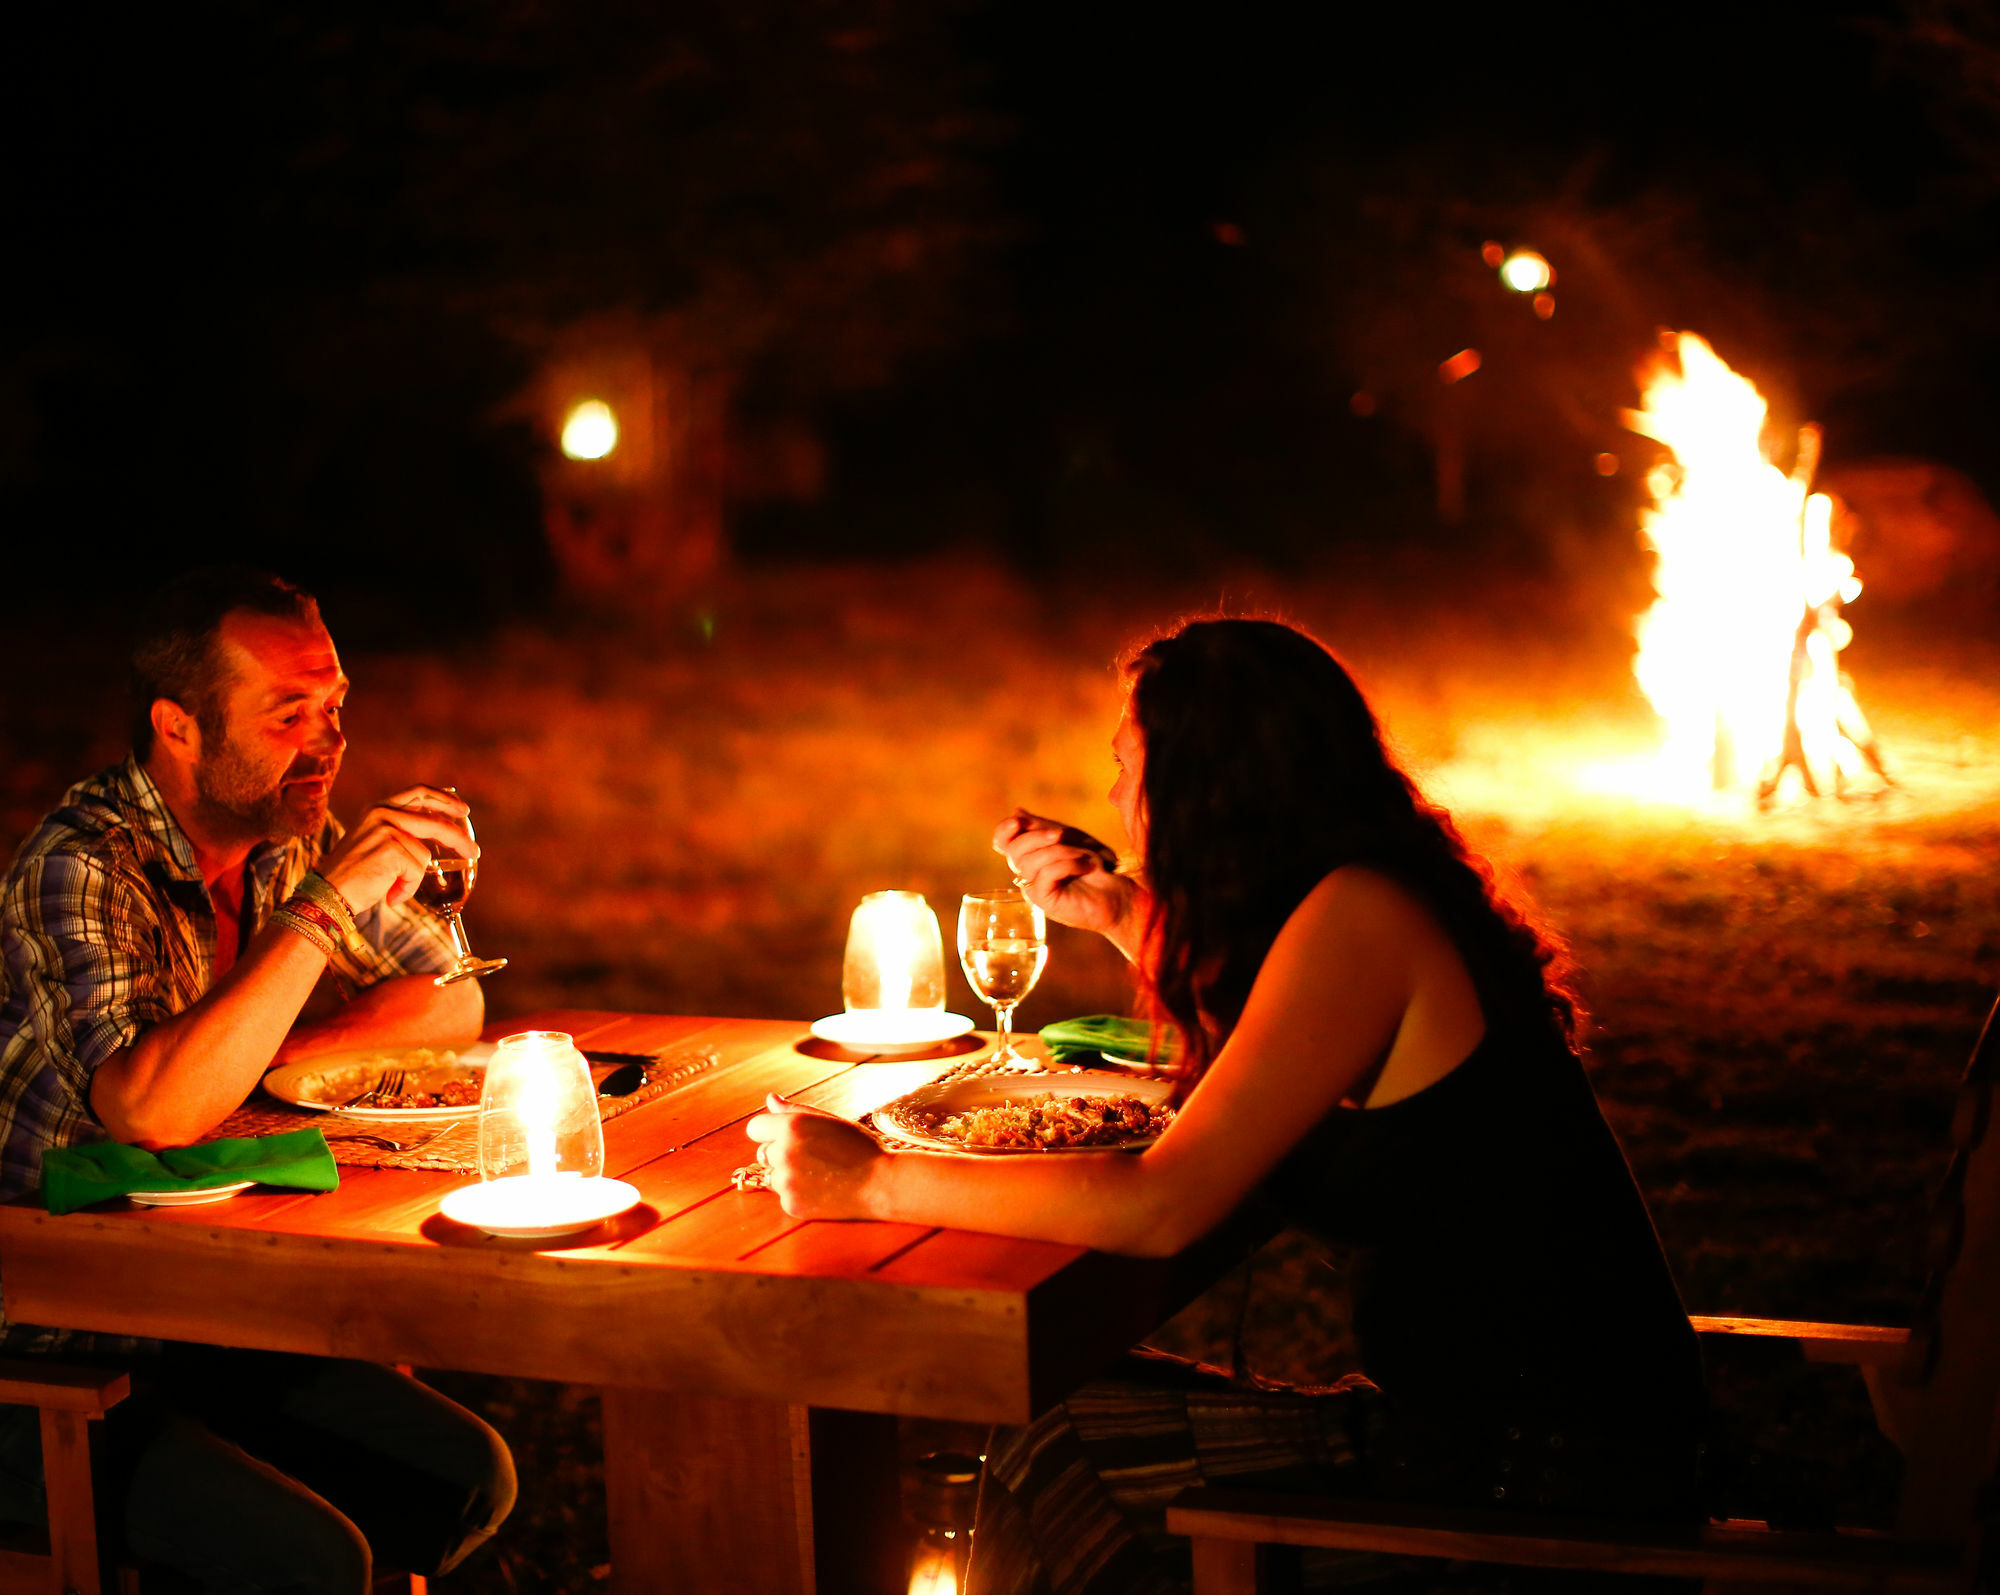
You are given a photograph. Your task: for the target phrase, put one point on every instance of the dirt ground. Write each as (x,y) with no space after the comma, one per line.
(681,817)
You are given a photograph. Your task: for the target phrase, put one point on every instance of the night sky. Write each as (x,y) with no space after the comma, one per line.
(282,272)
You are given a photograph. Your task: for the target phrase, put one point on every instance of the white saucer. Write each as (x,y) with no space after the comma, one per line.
(214,1193)
(537,1208)
(891,1030)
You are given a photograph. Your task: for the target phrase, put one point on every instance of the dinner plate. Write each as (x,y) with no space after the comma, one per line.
(869,1030)
(563,1204)
(213,1193)
(323,1084)
(905,1117)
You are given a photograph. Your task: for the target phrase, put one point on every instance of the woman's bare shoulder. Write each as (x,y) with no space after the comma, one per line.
(1362,894)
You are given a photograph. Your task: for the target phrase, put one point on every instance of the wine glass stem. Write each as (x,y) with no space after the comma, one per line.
(1003,1027)
(459,944)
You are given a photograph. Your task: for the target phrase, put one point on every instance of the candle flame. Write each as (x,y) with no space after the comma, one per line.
(895,961)
(539,1107)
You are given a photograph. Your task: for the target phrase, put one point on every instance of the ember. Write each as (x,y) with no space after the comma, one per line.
(1739,654)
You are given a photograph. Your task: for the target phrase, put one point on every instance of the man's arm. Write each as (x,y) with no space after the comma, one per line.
(402,1011)
(184,1075)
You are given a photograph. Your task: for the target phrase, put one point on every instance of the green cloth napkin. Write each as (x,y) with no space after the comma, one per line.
(76,1176)
(1126,1040)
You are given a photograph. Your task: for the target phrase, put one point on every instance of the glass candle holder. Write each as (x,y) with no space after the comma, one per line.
(895,956)
(538,1119)
(942,1505)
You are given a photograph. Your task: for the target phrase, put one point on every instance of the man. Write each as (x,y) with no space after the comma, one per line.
(161,935)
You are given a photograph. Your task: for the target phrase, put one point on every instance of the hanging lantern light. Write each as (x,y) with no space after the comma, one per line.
(1526,272)
(590,431)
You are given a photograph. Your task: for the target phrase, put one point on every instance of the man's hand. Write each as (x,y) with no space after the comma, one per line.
(1073,878)
(383,859)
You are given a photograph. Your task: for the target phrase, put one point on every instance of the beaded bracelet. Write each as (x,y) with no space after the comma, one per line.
(316,888)
(298,924)
(307,909)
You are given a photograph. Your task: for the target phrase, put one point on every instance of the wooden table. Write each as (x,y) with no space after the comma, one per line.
(752,1365)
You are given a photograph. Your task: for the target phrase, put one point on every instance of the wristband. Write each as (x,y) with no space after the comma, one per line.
(299,925)
(316,888)
(305,908)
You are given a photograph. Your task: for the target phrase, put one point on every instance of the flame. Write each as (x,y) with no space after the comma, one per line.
(894,955)
(1748,588)
(896,958)
(935,1572)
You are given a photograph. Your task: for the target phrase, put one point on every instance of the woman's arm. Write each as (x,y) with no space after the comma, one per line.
(1360,974)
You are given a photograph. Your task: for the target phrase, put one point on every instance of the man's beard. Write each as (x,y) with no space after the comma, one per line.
(236,796)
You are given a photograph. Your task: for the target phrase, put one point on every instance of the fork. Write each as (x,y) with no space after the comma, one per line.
(390,1085)
(381,1141)
(388,1145)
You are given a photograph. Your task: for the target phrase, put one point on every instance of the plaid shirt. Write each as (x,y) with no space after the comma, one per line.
(106,929)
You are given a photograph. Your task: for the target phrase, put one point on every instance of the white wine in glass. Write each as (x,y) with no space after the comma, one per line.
(1003,942)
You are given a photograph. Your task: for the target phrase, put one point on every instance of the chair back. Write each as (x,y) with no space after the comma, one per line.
(1949,1395)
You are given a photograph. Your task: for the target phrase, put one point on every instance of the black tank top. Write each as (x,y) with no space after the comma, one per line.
(1504,1259)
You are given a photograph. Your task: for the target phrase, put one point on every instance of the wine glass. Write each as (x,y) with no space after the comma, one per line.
(1003,942)
(445,887)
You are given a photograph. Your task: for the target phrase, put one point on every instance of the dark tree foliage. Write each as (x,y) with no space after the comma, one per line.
(792,185)
(292,263)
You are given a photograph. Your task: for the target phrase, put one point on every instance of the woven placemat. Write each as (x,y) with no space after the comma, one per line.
(445,1145)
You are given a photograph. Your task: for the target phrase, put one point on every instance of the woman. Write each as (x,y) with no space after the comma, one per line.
(1368,1034)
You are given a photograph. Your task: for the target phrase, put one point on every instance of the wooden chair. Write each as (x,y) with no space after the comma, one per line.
(70,1398)
(1935,1389)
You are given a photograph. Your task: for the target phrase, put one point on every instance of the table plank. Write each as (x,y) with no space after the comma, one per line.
(651,1032)
(578,1023)
(374,1203)
(823,1247)
(724,1224)
(981,1262)
(726,1095)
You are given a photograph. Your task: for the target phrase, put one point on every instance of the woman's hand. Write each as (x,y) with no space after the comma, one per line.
(820,1165)
(1073,878)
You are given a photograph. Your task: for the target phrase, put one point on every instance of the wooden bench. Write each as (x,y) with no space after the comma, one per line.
(70,1556)
(1935,1389)
(69,1561)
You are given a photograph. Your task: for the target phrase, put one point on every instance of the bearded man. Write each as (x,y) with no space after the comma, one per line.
(162,933)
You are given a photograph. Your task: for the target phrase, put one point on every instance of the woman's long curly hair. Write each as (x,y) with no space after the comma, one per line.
(1264,772)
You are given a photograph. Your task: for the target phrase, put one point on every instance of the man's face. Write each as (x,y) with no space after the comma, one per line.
(267,767)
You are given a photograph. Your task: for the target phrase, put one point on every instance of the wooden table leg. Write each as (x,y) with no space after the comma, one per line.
(707,1493)
(861,1545)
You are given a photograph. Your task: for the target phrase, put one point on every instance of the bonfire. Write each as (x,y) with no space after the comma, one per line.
(1740,651)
